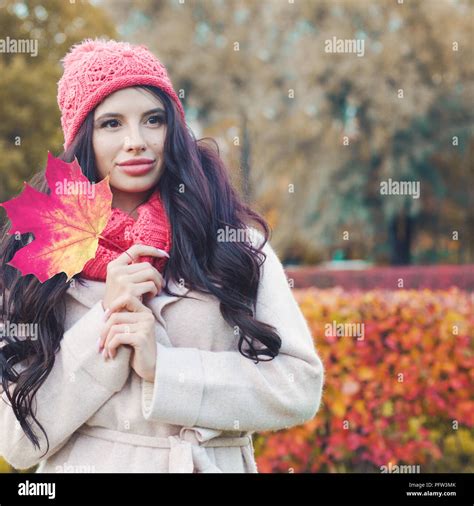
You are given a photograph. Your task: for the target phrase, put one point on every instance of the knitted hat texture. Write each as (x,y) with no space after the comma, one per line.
(96,68)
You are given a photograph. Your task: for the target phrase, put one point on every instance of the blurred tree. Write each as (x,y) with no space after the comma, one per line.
(310,134)
(30,123)
(325,129)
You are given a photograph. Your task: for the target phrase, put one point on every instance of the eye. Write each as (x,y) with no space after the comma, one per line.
(156,119)
(112,122)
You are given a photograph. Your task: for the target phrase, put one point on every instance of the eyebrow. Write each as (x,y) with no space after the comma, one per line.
(118,115)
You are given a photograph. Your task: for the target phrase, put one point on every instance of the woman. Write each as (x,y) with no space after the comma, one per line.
(172,346)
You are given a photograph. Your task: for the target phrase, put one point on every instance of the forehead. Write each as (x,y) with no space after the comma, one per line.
(128,100)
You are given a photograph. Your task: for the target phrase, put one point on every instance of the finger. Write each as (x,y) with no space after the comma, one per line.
(138,250)
(148,296)
(132,268)
(120,318)
(145,287)
(124,328)
(128,302)
(117,341)
(150,274)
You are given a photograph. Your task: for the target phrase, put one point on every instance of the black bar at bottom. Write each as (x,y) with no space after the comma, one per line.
(236,489)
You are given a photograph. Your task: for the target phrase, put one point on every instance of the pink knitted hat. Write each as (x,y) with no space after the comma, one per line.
(96,68)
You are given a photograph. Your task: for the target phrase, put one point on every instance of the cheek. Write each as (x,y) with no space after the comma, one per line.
(156,140)
(104,150)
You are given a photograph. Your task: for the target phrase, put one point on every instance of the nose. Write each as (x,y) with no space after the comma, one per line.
(134,142)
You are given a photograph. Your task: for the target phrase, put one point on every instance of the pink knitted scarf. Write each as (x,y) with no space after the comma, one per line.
(151,228)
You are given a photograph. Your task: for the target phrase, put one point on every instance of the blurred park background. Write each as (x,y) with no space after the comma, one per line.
(314,133)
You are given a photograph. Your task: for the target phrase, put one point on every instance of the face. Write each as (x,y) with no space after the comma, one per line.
(128,140)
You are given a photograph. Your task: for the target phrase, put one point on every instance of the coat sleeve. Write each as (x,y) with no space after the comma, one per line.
(227,391)
(79,383)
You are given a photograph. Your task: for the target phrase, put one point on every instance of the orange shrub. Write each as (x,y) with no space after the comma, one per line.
(399,393)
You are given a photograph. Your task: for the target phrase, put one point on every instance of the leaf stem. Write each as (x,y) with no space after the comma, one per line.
(116,245)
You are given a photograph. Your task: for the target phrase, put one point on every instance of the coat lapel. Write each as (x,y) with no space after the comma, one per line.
(157,304)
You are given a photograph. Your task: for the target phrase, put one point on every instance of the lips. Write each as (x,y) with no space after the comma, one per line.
(137,161)
(137,166)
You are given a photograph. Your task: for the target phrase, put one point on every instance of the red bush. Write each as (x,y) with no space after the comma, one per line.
(395,396)
(439,277)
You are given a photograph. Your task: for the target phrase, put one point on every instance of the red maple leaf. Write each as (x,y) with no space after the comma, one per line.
(66,223)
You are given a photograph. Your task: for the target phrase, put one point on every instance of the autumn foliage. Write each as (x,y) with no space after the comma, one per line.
(401,395)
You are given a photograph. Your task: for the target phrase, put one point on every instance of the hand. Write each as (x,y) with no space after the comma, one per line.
(136,279)
(134,327)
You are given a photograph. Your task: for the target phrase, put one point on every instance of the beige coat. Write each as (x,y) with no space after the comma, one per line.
(199,413)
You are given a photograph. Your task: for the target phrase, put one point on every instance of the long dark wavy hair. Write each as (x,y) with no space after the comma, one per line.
(229,271)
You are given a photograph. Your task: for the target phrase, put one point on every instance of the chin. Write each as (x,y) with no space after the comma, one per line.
(135,184)
(136,188)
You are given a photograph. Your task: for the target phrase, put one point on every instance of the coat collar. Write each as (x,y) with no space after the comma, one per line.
(93,291)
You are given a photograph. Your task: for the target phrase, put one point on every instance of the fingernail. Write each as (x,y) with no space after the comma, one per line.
(162,251)
(104,353)
(106,314)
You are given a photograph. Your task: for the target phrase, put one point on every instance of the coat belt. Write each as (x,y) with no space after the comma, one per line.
(187,454)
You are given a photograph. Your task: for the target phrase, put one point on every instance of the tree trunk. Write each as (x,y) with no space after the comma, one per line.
(400,238)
